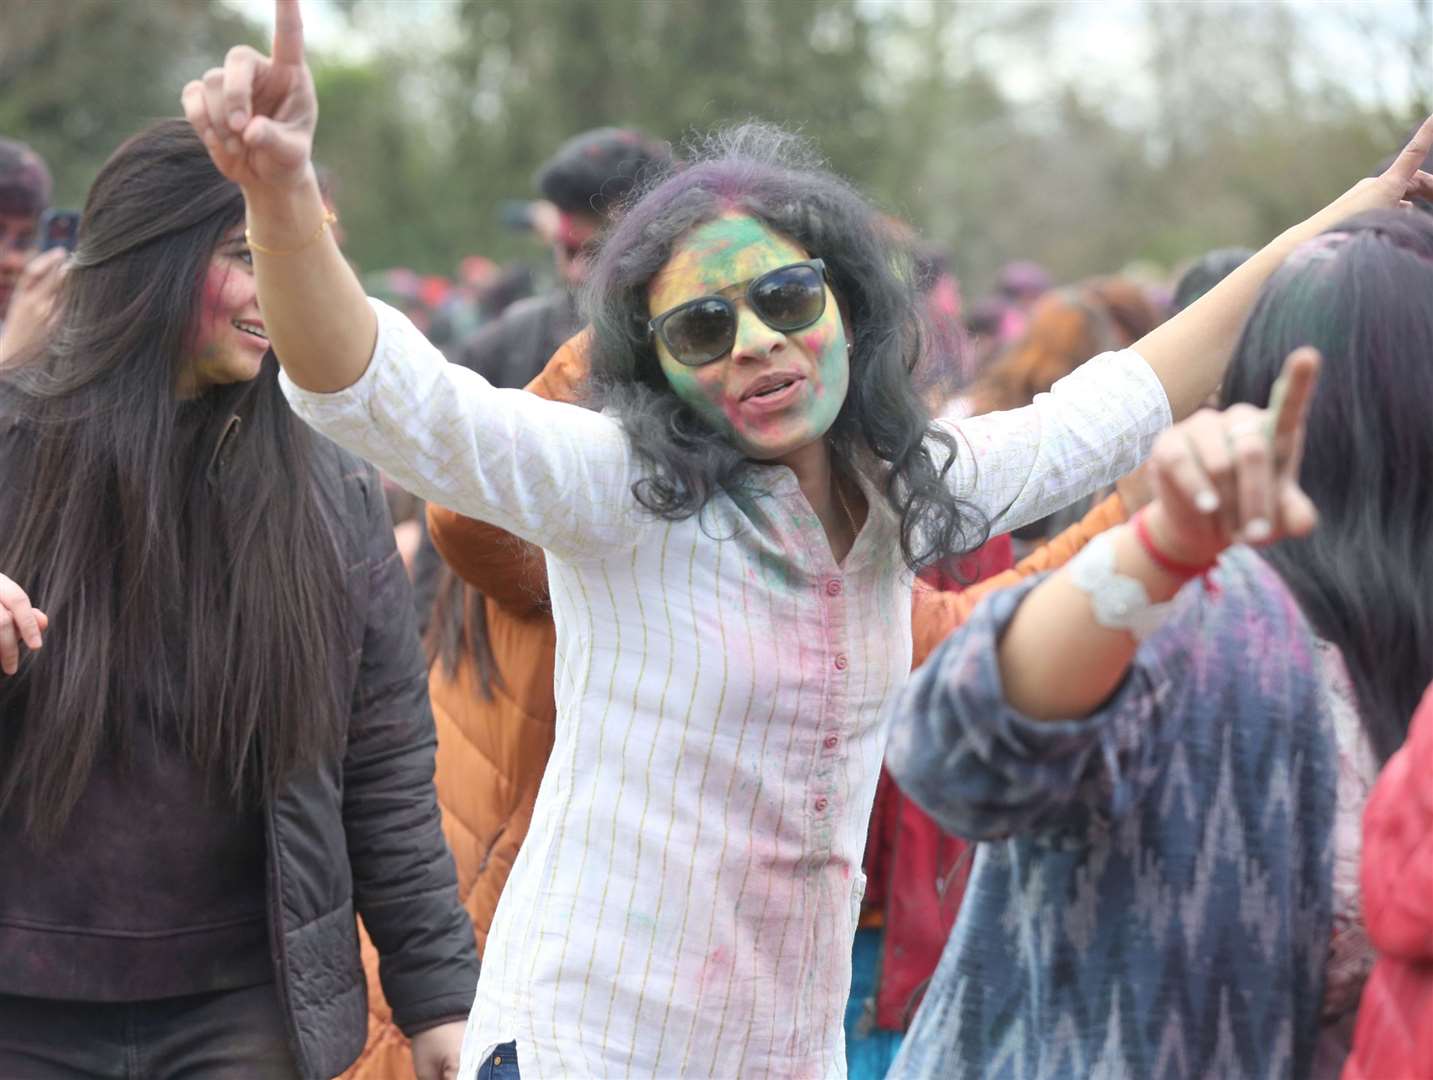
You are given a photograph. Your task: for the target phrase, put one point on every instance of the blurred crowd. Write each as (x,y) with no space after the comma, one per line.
(483,609)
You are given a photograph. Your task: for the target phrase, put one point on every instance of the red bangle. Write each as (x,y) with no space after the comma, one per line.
(1159,558)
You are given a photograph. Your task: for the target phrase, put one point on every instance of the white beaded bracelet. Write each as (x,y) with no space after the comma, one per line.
(1120,602)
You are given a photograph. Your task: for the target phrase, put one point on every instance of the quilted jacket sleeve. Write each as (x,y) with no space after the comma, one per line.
(404,882)
(1397,868)
(510,572)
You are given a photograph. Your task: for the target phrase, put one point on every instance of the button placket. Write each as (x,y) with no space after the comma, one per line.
(829,749)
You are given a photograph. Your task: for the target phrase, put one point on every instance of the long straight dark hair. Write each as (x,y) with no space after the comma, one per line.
(190,600)
(1363,294)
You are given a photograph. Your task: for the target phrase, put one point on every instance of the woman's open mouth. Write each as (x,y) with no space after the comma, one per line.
(253,329)
(772,391)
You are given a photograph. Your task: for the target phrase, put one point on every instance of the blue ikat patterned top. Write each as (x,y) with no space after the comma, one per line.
(1152,892)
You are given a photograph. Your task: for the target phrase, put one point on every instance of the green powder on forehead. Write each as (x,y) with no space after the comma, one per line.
(715,248)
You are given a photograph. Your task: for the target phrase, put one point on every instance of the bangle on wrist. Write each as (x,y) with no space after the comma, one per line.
(1160,559)
(329,217)
(1117,601)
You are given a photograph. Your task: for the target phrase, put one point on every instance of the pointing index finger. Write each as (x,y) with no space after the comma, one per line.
(289,33)
(1406,164)
(1289,402)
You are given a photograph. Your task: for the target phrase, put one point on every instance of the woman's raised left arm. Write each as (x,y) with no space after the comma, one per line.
(1190,352)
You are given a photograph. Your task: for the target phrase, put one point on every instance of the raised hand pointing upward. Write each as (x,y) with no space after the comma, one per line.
(257,113)
(257,116)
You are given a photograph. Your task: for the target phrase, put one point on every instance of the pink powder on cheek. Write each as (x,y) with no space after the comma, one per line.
(211,304)
(815,343)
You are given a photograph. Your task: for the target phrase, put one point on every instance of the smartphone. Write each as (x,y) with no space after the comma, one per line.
(59,228)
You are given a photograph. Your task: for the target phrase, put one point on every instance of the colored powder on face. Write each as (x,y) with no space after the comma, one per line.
(211,309)
(729,251)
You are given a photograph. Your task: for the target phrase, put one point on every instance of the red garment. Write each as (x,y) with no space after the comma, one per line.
(915,873)
(1394,1039)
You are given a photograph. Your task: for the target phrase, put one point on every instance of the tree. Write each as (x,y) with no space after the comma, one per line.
(78,77)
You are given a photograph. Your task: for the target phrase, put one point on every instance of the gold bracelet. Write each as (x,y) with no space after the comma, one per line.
(329,217)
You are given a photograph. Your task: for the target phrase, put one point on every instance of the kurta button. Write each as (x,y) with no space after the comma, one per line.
(833,588)
(831,742)
(821,805)
(841,662)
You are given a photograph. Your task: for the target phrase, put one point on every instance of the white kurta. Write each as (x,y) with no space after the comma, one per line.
(685,901)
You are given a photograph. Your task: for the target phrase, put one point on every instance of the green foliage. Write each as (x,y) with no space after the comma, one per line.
(78,76)
(1241,127)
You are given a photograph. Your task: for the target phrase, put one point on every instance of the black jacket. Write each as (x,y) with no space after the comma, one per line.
(360,835)
(363,834)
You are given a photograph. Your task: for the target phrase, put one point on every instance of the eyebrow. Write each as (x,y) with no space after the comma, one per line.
(739,286)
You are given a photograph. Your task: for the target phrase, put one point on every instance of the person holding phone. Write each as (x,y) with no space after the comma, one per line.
(1165,749)
(30,276)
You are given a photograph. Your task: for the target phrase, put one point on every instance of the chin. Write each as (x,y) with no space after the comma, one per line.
(244,371)
(776,450)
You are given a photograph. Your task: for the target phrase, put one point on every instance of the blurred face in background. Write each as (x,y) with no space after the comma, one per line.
(574,240)
(17,242)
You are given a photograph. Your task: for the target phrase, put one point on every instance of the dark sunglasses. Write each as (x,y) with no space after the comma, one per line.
(702,330)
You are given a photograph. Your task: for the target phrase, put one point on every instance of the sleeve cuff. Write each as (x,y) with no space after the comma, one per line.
(353,399)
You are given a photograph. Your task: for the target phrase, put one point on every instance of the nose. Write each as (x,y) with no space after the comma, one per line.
(754,339)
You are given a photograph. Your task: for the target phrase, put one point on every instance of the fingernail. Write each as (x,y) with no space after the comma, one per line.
(1206,502)
(1257,531)
(237,120)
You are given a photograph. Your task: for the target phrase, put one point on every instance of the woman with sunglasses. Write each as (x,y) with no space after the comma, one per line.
(728,550)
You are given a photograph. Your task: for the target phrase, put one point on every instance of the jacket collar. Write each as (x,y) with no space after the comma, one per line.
(219,457)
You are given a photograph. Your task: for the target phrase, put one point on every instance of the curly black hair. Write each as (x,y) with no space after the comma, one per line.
(774,176)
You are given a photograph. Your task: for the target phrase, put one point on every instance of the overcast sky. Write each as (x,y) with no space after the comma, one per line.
(1103,45)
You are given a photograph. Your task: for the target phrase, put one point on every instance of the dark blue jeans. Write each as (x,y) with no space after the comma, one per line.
(501,1064)
(227,1035)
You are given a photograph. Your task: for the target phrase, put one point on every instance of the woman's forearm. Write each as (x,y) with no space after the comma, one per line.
(1070,644)
(1074,679)
(315,312)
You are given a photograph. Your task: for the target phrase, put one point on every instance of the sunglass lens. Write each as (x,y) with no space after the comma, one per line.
(700,331)
(790,298)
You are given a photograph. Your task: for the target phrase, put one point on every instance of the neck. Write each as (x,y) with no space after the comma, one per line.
(816,476)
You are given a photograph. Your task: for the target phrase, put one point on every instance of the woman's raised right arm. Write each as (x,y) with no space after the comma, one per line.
(362,375)
(257,115)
